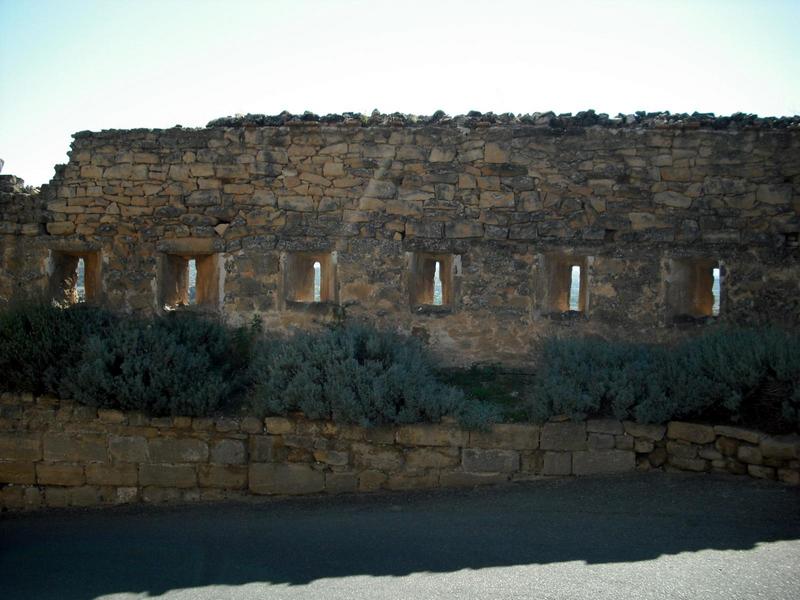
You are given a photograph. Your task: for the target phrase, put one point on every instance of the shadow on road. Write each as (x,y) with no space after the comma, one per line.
(148,550)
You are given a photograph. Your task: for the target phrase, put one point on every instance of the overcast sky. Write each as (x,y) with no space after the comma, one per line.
(67,66)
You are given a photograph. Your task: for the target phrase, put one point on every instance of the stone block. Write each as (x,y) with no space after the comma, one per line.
(750,455)
(120,474)
(690,432)
(789,476)
(461,479)
(476,460)
(654,433)
(601,441)
(20,446)
(557,463)
(177,450)
(271,478)
(727,446)
(563,436)
(266,448)
(688,464)
(74,447)
(371,480)
(59,474)
(432,458)
(681,449)
(784,447)
(607,426)
(379,435)
(507,436)
(407,481)
(228,452)
(279,425)
(383,458)
(601,462)
(341,482)
(86,495)
(431,435)
(761,472)
(332,457)
(158,495)
(252,425)
(657,457)
(111,416)
(167,476)
(132,449)
(18,472)
(737,433)
(232,477)
(643,446)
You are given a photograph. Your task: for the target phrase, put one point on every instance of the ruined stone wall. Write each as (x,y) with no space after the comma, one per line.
(505,206)
(62,454)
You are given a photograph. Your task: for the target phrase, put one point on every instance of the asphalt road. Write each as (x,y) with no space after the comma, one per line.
(638,536)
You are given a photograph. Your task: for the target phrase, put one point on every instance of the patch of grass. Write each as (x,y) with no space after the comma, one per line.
(494,385)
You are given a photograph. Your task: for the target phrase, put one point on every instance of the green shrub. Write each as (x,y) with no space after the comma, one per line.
(41,344)
(180,364)
(356,375)
(743,376)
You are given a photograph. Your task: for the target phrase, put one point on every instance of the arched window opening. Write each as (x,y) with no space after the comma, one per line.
(437,284)
(715,291)
(80,280)
(317,282)
(575,288)
(192,289)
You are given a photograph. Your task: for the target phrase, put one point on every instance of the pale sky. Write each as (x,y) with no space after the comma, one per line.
(67,66)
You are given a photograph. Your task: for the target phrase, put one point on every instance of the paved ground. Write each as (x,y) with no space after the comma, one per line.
(638,536)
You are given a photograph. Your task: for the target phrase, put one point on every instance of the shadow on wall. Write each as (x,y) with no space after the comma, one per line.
(295,542)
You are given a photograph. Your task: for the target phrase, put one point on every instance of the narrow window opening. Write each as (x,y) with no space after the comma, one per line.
(317,282)
(575,288)
(715,290)
(80,281)
(437,285)
(192,289)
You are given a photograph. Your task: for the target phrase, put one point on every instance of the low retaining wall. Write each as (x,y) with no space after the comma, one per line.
(56,453)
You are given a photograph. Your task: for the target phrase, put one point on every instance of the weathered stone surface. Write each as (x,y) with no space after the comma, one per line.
(557,463)
(784,447)
(681,449)
(271,478)
(750,455)
(342,482)
(74,447)
(168,476)
(648,432)
(688,464)
(370,480)
(20,472)
(228,476)
(436,458)
(228,452)
(509,436)
(563,436)
(332,457)
(383,458)
(608,426)
(406,481)
(690,432)
(119,474)
(761,472)
(601,441)
(737,433)
(59,474)
(20,446)
(177,450)
(431,435)
(131,449)
(599,462)
(265,448)
(475,460)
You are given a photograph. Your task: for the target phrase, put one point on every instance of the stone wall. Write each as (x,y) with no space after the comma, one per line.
(504,204)
(60,454)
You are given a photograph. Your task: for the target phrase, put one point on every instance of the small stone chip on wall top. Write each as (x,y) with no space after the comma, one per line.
(59,454)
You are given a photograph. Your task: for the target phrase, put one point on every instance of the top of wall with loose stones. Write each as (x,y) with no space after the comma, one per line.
(474,119)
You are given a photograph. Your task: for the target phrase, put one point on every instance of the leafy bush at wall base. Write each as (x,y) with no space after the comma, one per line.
(41,344)
(180,364)
(745,376)
(359,375)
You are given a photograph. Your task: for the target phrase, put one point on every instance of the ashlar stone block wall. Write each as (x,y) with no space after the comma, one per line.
(644,205)
(56,453)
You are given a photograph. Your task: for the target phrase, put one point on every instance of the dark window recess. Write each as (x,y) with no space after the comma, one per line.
(310,277)
(432,281)
(75,277)
(189,280)
(563,284)
(695,288)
